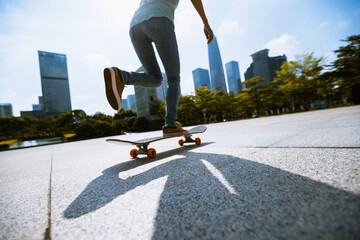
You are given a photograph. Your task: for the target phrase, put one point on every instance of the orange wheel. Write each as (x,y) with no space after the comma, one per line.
(198,141)
(134,153)
(181,142)
(151,153)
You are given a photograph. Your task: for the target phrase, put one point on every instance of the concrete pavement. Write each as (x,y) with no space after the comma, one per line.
(294,176)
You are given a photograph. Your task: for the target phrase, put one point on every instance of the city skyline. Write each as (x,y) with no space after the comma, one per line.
(88,39)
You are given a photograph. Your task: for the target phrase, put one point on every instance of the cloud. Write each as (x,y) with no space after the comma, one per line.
(343,23)
(324,24)
(357,11)
(229,26)
(285,44)
(187,21)
(83,97)
(8,95)
(97,60)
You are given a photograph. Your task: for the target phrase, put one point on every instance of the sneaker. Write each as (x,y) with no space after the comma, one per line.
(173,130)
(114,87)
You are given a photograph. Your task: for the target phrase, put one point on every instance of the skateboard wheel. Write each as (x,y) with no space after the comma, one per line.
(198,141)
(181,142)
(134,153)
(151,153)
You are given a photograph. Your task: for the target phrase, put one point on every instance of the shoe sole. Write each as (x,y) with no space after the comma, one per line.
(113,91)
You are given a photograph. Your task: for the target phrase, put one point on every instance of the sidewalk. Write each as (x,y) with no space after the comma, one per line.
(294,176)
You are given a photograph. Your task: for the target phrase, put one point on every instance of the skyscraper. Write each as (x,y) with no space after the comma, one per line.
(6,110)
(145,97)
(54,83)
(233,76)
(201,78)
(124,103)
(131,102)
(217,75)
(264,66)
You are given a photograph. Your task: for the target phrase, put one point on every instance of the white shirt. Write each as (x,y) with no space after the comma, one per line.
(154,8)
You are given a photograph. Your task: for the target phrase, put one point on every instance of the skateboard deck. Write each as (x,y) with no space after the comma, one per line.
(142,144)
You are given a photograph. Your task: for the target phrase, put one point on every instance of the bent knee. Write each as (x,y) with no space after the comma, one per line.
(159,80)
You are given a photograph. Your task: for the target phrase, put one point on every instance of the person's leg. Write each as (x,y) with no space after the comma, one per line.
(116,78)
(163,34)
(152,77)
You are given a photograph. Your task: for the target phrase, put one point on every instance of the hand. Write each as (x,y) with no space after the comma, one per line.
(208,33)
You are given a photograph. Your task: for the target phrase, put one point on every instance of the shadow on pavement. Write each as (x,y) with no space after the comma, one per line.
(215,196)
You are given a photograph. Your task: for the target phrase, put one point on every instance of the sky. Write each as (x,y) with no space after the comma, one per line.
(94,34)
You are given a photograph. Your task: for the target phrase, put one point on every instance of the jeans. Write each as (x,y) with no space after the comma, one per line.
(159,31)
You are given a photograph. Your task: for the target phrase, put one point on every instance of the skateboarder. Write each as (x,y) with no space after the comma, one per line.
(154,22)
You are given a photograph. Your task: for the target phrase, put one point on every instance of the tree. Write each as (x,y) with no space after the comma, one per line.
(346,68)
(188,112)
(85,129)
(102,117)
(119,126)
(123,114)
(141,124)
(157,108)
(103,128)
(253,91)
(300,78)
(204,99)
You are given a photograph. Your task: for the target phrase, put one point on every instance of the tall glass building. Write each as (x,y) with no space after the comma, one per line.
(217,75)
(54,83)
(233,76)
(131,102)
(201,78)
(124,103)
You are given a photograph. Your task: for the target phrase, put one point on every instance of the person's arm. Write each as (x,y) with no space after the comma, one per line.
(207,29)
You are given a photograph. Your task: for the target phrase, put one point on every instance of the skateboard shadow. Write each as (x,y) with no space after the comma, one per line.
(221,196)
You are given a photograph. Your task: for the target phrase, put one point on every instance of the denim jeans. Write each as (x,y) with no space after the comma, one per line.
(159,31)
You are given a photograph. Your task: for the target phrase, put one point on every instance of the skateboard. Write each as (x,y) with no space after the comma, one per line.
(142,144)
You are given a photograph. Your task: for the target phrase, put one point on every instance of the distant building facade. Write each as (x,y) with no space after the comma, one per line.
(37,110)
(6,110)
(124,104)
(264,66)
(131,102)
(201,78)
(217,75)
(39,106)
(144,97)
(128,102)
(233,76)
(54,83)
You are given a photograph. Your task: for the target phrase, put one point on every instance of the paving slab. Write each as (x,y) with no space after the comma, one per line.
(24,188)
(248,199)
(294,176)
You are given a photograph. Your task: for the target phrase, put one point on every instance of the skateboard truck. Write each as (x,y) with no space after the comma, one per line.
(188,139)
(143,149)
